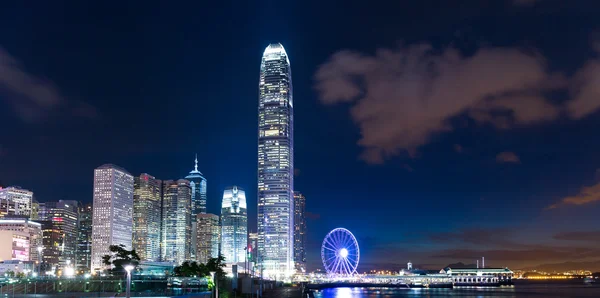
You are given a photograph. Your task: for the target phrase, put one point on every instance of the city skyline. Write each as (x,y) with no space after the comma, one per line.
(406,115)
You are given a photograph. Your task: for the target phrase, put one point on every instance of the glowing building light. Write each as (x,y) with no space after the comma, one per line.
(343,253)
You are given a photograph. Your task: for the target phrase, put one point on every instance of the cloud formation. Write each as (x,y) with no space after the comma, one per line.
(31,97)
(579,236)
(587,195)
(401,98)
(507,157)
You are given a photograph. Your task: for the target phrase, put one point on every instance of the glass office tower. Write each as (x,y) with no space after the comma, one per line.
(147,213)
(177,228)
(234,225)
(112,220)
(275,164)
(198,185)
(300,232)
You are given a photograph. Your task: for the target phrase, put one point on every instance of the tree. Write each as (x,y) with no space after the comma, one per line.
(189,269)
(216,265)
(120,257)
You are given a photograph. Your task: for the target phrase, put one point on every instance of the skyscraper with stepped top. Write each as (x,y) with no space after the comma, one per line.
(198,185)
(275,164)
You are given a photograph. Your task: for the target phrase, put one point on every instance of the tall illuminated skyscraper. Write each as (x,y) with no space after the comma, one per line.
(275,164)
(113,210)
(198,185)
(177,230)
(147,211)
(208,236)
(299,232)
(234,225)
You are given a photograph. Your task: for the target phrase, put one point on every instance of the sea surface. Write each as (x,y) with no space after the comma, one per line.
(575,288)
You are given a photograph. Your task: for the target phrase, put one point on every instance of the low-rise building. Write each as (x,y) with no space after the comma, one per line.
(14,245)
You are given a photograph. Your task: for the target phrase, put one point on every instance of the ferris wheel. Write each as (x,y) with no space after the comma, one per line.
(340,252)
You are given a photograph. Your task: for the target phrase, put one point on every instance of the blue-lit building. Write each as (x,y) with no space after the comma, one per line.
(275,164)
(198,185)
(234,225)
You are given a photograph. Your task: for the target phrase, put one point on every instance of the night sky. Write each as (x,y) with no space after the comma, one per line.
(436,131)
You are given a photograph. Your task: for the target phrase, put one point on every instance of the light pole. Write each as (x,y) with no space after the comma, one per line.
(40,249)
(128,268)
(212,275)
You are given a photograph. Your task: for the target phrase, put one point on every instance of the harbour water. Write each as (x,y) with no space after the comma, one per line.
(574,288)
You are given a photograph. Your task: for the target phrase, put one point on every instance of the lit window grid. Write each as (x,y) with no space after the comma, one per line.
(112,212)
(275,163)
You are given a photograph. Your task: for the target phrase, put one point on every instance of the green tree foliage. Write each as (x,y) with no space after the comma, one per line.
(190,269)
(120,257)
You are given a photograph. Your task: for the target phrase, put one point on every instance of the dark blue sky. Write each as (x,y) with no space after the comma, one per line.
(147,85)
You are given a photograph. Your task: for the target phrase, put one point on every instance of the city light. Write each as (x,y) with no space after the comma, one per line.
(69,271)
(343,253)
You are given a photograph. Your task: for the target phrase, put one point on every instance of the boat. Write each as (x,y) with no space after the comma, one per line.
(589,280)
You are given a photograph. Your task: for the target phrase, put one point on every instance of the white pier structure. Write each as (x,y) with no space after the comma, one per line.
(479,276)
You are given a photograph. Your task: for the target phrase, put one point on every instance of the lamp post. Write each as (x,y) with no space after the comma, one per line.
(128,268)
(212,275)
(40,249)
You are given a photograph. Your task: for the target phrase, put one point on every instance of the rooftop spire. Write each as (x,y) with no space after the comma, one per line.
(196,163)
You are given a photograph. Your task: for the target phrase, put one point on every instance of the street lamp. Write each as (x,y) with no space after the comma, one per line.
(128,268)
(212,275)
(40,249)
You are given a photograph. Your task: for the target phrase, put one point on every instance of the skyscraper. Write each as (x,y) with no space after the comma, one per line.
(63,218)
(177,202)
(15,201)
(275,163)
(52,239)
(113,210)
(147,216)
(299,232)
(207,237)
(84,239)
(234,225)
(198,185)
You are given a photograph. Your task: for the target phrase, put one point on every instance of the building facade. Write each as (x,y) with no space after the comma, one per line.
(253,250)
(64,218)
(15,202)
(112,220)
(84,239)
(177,203)
(208,235)
(52,240)
(35,208)
(14,245)
(31,228)
(275,164)
(147,216)
(234,225)
(198,185)
(299,232)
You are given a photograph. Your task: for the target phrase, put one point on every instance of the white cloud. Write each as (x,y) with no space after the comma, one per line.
(402,97)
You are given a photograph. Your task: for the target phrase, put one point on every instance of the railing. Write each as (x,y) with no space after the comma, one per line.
(99,287)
